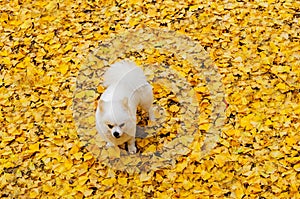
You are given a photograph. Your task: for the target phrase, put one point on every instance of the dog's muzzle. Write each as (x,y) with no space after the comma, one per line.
(116,134)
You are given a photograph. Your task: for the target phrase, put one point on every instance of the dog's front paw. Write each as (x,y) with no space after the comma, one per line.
(108,144)
(132,149)
(151,115)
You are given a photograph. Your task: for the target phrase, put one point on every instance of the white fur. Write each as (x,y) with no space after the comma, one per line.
(127,88)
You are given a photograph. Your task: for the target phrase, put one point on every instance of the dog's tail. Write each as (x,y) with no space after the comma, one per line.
(125,72)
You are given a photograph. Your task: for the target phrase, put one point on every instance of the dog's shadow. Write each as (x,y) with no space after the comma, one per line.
(141,133)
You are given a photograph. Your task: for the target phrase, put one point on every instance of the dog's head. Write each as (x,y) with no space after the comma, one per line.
(116,118)
(115,129)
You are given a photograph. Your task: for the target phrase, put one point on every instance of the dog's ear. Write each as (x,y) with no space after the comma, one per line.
(100,105)
(125,103)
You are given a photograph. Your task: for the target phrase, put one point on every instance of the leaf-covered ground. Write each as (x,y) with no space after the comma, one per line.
(254,45)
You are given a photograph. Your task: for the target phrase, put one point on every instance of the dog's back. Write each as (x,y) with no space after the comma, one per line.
(125,73)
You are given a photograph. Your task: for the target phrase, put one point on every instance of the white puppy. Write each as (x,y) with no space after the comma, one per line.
(127,88)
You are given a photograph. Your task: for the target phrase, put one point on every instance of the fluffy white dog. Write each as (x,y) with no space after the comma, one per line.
(127,88)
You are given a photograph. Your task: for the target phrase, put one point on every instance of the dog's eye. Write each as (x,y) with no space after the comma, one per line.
(121,125)
(110,126)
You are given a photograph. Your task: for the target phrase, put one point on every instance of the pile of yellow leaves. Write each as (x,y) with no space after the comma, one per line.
(46,82)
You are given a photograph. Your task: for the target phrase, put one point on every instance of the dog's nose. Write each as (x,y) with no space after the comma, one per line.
(116,134)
